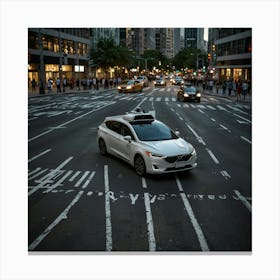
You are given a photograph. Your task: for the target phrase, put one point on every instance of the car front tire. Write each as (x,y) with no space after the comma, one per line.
(102,147)
(139,165)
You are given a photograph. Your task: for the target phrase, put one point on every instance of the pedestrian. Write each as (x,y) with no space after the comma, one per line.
(64,84)
(33,83)
(211,83)
(58,89)
(224,87)
(97,84)
(217,87)
(238,91)
(229,86)
(50,83)
(245,87)
(94,83)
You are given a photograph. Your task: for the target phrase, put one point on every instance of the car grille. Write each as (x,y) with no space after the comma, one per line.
(178,158)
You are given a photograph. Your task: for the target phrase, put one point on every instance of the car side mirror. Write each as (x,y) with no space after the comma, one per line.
(127,138)
(177,133)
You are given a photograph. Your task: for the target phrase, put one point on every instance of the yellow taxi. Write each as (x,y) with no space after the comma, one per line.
(130,86)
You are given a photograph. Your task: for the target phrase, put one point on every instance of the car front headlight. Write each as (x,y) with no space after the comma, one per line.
(128,87)
(119,87)
(150,154)
(186,95)
(198,94)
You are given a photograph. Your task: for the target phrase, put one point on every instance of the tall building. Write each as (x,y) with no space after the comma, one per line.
(194,38)
(57,52)
(231,52)
(97,34)
(165,41)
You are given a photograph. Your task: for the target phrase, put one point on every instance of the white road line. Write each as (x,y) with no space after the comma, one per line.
(225,174)
(61,217)
(88,180)
(82,178)
(158,98)
(34,171)
(211,107)
(50,130)
(49,176)
(199,138)
(39,155)
(222,108)
(151,99)
(193,106)
(200,111)
(186,106)
(243,200)
(173,99)
(179,105)
(37,174)
(223,127)
(58,183)
(107,211)
(213,119)
(202,241)
(149,219)
(242,118)
(74,176)
(236,109)
(245,139)
(212,156)
(166,99)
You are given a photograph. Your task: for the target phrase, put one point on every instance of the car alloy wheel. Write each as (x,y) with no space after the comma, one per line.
(102,147)
(139,165)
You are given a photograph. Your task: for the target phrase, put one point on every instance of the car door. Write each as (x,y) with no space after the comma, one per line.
(113,138)
(124,146)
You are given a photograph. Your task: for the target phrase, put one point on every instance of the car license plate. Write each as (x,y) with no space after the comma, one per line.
(179,164)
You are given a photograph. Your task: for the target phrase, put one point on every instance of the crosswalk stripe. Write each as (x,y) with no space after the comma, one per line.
(158,99)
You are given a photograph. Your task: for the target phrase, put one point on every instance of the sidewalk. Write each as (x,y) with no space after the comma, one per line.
(248,97)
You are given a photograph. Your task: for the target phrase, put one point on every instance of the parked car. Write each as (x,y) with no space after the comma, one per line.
(130,86)
(144,80)
(145,143)
(160,82)
(187,93)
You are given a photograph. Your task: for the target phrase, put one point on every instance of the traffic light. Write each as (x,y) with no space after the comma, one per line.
(213,48)
(209,56)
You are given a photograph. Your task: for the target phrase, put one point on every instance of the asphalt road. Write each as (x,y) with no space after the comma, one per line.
(79,200)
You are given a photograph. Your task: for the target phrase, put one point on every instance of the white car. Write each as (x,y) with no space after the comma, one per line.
(144,80)
(145,143)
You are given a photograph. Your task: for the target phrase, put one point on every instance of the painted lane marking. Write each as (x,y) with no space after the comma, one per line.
(51,130)
(149,219)
(200,111)
(186,106)
(201,238)
(243,118)
(245,139)
(213,119)
(243,200)
(225,174)
(109,243)
(39,155)
(225,128)
(158,99)
(211,107)
(37,174)
(179,105)
(49,176)
(236,109)
(88,180)
(199,138)
(212,156)
(61,217)
(82,178)
(34,171)
(59,182)
(74,176)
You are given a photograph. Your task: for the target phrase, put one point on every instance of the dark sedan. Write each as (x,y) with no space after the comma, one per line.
(188,93)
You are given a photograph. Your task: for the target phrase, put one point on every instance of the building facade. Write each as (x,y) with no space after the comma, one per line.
(230,50)
(57,53)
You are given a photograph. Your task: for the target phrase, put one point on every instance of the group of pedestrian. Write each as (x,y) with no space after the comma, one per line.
(233,88)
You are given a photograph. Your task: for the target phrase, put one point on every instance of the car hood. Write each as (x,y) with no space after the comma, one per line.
(169,147)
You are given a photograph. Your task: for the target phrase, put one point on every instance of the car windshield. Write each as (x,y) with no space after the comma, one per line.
(153,131)
(189,89)
(130,82)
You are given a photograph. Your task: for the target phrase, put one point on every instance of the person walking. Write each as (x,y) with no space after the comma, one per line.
(224,87)
(229,86)
(58,89)
(50,83)
(64,84)
(238,91)
(33,84)
(245,87)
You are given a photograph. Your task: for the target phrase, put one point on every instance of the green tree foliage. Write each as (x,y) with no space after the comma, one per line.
(188,58)
(107,54)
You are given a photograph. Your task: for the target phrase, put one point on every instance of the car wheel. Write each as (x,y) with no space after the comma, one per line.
(102,147)
(139,165)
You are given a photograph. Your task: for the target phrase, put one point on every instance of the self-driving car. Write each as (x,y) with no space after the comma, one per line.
(147,144)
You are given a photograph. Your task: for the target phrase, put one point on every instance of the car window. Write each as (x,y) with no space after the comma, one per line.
(125,131)
(153,131)
(114,126)
(189,89)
